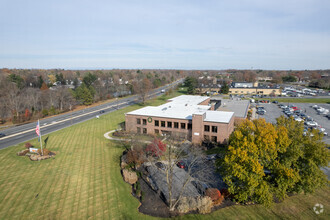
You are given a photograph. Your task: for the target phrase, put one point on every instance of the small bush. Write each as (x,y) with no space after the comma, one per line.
(45,151)
(213,193)
(225,193)
(28,145)
(138,186)
(142,195)
(219,201)
(44,112)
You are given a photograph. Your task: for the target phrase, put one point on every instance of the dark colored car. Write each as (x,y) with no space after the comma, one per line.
(181,164)
(160,165)
(2,135)
(275,102)
(102,111)
(260,112)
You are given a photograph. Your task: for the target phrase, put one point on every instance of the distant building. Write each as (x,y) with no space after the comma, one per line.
(191,117)
(242,85)
(264,78)
(255,91)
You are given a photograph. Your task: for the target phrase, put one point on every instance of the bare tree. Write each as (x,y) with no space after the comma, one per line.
(14,100)
(142,88)
(179,181)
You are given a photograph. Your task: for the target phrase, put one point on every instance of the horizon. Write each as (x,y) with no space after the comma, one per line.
(185,35)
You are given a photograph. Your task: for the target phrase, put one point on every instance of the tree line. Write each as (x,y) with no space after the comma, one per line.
(31,94)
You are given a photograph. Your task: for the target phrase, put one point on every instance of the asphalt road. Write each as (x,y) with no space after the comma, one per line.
(22,133)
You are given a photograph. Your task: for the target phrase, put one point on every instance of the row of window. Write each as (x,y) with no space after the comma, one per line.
(214,129)
(167,124)
(138,121)
(144,130)
(212,139)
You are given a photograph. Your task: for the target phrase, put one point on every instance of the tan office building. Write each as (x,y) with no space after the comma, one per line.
(192,117)
(254,91)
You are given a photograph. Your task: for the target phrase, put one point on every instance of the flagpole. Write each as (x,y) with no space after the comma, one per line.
(42,152)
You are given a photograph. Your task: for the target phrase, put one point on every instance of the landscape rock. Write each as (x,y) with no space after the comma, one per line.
(23,152)
(36,157)
(129,176)
(123,163)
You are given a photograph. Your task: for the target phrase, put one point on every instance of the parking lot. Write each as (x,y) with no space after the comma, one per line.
(273,112)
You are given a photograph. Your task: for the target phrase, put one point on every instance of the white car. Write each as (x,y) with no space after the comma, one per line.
(312,123)
(314,106)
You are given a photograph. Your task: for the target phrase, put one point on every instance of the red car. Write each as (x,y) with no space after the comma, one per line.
(181,164)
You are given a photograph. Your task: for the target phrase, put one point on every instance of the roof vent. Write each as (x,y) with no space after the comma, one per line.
(164,109)
(186,104)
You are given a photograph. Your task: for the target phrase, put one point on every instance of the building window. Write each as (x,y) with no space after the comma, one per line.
(207,128)
(176,124)
(206,138)
(169,124)
(162,123)
(138,121)
(183,125)
(156,131)
(214,139)
(156,123)
(189,126)
(144,130)
(214,129)
(144,121)
(138,129)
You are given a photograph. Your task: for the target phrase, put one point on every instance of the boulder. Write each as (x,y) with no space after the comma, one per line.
(23,152)
(36,157)
(130,176)
(123,162)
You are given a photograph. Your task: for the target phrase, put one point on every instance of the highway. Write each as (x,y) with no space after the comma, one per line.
(22,133)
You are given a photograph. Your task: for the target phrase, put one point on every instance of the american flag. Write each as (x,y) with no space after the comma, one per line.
(38,129)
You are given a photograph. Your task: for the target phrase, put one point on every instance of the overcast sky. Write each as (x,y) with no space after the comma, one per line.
(180,34)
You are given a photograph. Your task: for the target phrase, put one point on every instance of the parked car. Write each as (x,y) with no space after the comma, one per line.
(275,102)
(2,135)
(181,164)
(260,112)
(102,111)
(160,165)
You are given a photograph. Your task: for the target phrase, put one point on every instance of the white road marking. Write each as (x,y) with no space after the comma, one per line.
(57,122)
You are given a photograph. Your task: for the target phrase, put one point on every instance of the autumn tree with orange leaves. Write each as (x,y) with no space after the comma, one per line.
(265,161)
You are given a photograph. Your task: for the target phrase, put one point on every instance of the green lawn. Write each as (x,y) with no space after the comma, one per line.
(84,181)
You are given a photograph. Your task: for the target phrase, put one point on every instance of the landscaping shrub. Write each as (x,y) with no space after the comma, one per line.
(135,156)
(157,148)
(213,193)
(142,195)
(121,133)
(28,145)
(225,193)
(219,201)
(45,151)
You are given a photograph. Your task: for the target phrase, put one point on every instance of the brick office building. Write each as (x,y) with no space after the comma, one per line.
(192,117)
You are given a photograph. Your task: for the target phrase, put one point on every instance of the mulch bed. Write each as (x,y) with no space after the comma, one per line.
(152,204)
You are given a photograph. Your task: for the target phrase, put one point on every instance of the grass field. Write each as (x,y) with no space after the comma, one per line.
(84,181)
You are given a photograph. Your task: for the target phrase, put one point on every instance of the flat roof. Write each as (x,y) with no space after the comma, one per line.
(239,107)
(183,107)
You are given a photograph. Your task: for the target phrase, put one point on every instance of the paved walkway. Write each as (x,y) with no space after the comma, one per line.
(107,136)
